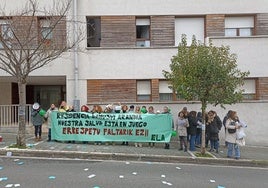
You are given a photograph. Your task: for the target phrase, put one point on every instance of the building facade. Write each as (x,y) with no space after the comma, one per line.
(128,43)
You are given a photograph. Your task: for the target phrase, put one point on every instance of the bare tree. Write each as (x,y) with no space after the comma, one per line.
(30,39)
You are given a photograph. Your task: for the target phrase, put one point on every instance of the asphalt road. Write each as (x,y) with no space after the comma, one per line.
(62,173)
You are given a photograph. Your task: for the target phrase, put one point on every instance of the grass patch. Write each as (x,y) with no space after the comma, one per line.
(261,162)
(198,154)
(17,146)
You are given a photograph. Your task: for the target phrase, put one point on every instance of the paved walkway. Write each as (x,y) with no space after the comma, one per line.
(250,155)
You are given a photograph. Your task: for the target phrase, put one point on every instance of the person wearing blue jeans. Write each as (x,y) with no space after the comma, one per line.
(232,124)
(213,129)
(214,145)
(199,129)
(235,147)
(192,142)
(192,118)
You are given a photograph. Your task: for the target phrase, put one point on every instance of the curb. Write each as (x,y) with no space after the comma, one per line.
(131,157)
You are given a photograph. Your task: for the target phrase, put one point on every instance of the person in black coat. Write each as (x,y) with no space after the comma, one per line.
(192,118)
(214,125)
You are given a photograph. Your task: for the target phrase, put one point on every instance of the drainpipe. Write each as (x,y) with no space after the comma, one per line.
(76,101)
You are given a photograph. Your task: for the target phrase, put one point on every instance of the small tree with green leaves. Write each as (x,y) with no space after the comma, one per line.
(205,73)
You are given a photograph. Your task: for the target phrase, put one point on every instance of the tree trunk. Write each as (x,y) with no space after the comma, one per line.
(203,142)
(21,140)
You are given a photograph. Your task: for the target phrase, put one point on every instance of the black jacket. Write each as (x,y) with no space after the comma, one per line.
(192,125)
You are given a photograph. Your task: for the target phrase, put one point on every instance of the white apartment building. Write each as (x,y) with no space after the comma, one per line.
(130,42)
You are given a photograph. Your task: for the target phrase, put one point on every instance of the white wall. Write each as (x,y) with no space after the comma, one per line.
(125,63)
(82,87)
(151,7)
(253,113)
(251,53)
(170,7)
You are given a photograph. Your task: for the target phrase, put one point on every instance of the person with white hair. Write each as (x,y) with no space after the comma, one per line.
(37,120)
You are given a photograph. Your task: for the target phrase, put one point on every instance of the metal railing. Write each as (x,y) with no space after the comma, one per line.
(9,116)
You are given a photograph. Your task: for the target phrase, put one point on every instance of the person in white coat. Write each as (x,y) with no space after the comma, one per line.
(232,125)
(49,121)
(181,128)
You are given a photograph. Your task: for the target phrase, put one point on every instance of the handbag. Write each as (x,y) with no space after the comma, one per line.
(240,142)
(231,131)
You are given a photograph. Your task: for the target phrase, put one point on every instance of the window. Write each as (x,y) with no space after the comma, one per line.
(143,32)
(239,26)
(46,29)
(190,27)
(165,93)
(6,33)
(249,89)
(93,31)
(144,90)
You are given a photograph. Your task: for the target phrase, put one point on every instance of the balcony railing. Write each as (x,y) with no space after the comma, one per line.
(9,116)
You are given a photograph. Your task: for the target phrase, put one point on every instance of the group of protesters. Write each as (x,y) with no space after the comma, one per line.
(188,125)
(189,128)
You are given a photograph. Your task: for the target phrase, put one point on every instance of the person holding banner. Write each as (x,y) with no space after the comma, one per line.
(121,109)
(138,109)
(166,111)
(49,122)
(151,111)
(63,107)
(84,108)
(97,109)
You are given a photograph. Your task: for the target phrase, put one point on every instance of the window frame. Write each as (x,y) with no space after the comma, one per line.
(249,94)
(143,95)
(7,35)
(45,25)
(143,41)
(239,25)
(164,95)
(96,33)
(197,20)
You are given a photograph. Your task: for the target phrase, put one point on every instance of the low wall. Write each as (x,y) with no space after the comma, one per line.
(253,113)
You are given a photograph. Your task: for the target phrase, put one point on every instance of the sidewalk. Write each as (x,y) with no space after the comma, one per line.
(250,155)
